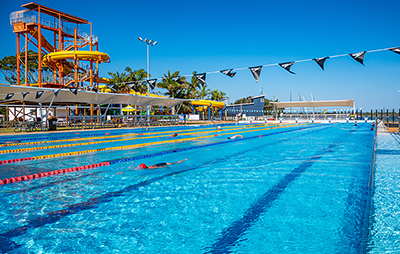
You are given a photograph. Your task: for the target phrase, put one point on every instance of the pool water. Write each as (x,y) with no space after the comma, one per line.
(384,230)
(298,189)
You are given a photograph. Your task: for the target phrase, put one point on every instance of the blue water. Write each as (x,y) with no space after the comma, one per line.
(384,231)
(301,189)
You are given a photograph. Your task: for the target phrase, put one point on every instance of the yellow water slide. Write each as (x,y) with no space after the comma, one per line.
(204,104)
(53,58)
(81,55)
(105,89)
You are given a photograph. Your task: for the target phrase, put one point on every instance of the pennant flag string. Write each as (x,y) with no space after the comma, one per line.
(299,61)
(359,57)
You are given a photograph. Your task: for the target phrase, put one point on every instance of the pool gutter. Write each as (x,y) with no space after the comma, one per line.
(370,191)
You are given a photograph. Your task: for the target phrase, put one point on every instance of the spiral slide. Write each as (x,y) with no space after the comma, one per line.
(53,59)
(81,55)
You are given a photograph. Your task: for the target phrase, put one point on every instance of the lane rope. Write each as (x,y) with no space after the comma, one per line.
(107,163)
(104,141)
(128,147)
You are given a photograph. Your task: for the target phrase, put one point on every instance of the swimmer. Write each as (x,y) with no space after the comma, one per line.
(12,142)
(235,136)
(219,128)
(355,123)
(174,135)
(373,124)
(159,165)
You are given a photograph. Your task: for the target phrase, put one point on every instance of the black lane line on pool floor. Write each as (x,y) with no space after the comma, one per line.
(7,245)
(232,234)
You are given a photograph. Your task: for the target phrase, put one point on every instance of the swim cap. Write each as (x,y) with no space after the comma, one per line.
(142,165)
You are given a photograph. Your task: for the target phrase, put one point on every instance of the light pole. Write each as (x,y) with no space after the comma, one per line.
(153,43)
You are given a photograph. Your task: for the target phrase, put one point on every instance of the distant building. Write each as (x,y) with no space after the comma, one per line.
(253,109)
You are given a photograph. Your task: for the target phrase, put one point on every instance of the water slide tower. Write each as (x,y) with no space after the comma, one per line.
(65,54)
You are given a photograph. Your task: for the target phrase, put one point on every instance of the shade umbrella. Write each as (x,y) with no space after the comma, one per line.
(129,109)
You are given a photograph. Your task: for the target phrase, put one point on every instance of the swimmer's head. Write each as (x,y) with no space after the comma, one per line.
(142,166)
(219,127)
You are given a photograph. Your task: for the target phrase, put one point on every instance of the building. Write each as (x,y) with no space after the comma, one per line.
(254,109)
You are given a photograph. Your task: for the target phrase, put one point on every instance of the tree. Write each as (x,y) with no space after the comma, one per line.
(174,89)
(8,67)
(218,95)
(204,93)
(119,80)
(122,80)
(139,77)
(243,100)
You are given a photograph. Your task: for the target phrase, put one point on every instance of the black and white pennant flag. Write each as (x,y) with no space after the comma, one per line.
(287,66)
(256,72)
(359,57)
(320,61)
(395,50)
(202,78)
(229,73)
(152,83)
(24,94)
(9,96)
(74,90)
(39,94)
(111,87)
(56,92)
(176,79)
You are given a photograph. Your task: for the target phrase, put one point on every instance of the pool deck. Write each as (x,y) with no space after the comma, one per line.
(384,222)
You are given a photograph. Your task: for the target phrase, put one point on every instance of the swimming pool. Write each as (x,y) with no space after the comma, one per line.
(296,188)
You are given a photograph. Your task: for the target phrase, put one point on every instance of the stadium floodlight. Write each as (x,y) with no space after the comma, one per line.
(153,43)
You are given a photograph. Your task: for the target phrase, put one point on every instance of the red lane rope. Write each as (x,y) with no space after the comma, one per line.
(50,173)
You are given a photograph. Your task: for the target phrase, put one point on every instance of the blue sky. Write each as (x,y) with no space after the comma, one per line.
(208,36)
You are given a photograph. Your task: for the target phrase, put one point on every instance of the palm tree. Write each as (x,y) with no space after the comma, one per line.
(203,93)
(218,95)
(174,89)
(119,80)
(139,77)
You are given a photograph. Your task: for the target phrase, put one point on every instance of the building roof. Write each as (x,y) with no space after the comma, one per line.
(238,105)
(314,104)
(255,97)
(49,11)
(66,97)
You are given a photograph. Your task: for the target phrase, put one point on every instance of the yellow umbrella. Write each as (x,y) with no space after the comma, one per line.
(129,109)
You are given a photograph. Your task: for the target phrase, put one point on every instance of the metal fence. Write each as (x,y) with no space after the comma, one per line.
(114,121)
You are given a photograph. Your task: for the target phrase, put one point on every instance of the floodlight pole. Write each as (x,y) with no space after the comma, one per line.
(153,43)
(148,69)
